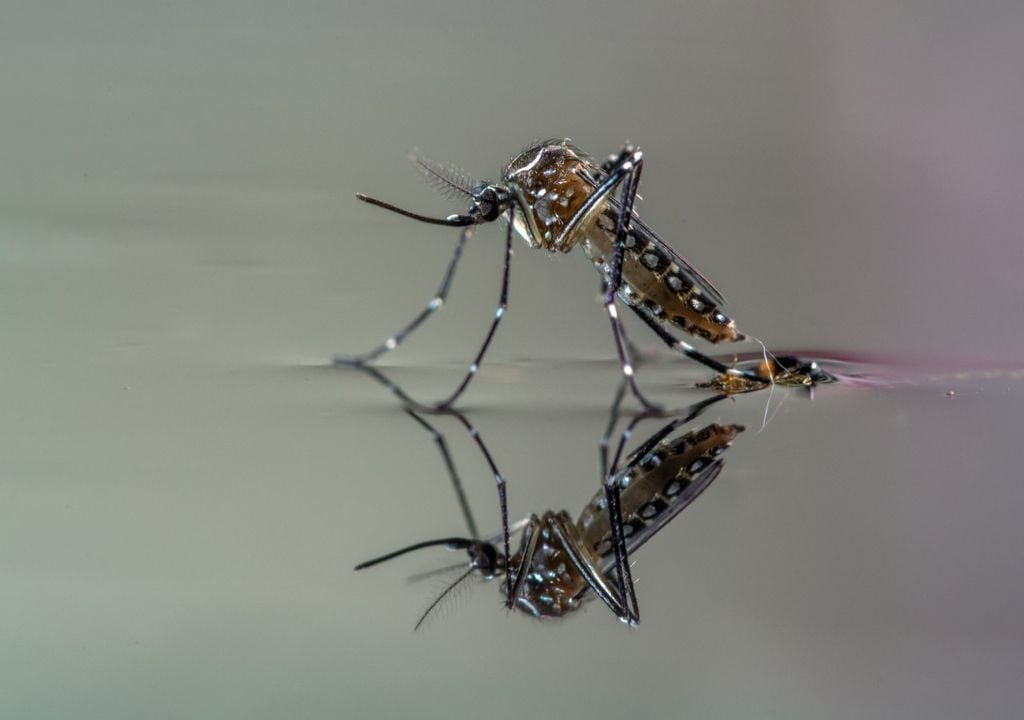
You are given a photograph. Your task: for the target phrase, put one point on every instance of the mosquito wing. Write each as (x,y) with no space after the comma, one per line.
(676,505)
(657,484)
(644,235)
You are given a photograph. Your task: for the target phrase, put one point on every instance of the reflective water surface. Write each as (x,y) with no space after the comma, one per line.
(186,483)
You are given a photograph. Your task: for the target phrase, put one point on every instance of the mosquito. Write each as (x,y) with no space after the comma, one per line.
(556,197)
(562,562)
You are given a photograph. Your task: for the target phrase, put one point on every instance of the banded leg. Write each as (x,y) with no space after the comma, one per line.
(612,490)
(443,447)
(499,313)
(502,502)
(435,303)
(613,419)
(609,166)
(691,352)
(446,456)
(438,300)
(627,173)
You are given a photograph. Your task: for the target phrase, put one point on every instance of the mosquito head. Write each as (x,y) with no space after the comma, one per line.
(489,202)
(486,559)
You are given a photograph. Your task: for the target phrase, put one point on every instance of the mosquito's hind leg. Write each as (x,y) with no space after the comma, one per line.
(684,347)
(741,380)
(435,303)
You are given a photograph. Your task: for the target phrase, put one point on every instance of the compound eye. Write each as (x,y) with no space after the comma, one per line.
(486,203)
(482,210)
(485,557)
(489,211)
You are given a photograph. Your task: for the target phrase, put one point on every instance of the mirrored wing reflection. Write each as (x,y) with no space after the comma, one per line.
(560,562)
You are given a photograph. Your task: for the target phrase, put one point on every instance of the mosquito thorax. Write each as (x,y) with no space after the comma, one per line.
(547,182)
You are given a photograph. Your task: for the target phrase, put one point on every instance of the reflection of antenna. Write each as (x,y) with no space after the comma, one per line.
(442,596)
(560,560)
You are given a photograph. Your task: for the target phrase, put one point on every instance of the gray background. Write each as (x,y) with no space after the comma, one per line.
(185,484)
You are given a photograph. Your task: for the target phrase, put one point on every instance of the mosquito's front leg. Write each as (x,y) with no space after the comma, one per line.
(412,409)
(435,303)
(499,313)
(502,503)
(453,475)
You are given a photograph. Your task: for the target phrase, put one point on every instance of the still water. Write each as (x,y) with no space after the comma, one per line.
(186,482)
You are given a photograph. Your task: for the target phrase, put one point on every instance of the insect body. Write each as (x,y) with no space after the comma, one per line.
(556,197)
(554,181)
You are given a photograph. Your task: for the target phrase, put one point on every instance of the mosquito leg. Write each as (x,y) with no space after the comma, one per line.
(613,419)
(614,163)
(628,170)
(628,175)
(693,353)
(498,314)
(618,158)
(435,303)
(397,391)
(502,502)
(612,489)
(460,494)
(450,464)
(569,538)
(623,574)
(692,412)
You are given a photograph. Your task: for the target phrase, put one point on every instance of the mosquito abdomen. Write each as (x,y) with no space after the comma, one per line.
(653,284)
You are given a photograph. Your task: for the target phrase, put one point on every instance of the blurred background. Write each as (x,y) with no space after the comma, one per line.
(186,483)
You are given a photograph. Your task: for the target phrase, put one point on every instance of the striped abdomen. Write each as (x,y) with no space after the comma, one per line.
(654,283)
(657,487)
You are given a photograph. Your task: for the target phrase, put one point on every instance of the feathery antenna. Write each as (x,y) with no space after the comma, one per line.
(452,182)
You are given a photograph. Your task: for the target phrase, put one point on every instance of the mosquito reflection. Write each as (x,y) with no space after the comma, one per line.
(561,562)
